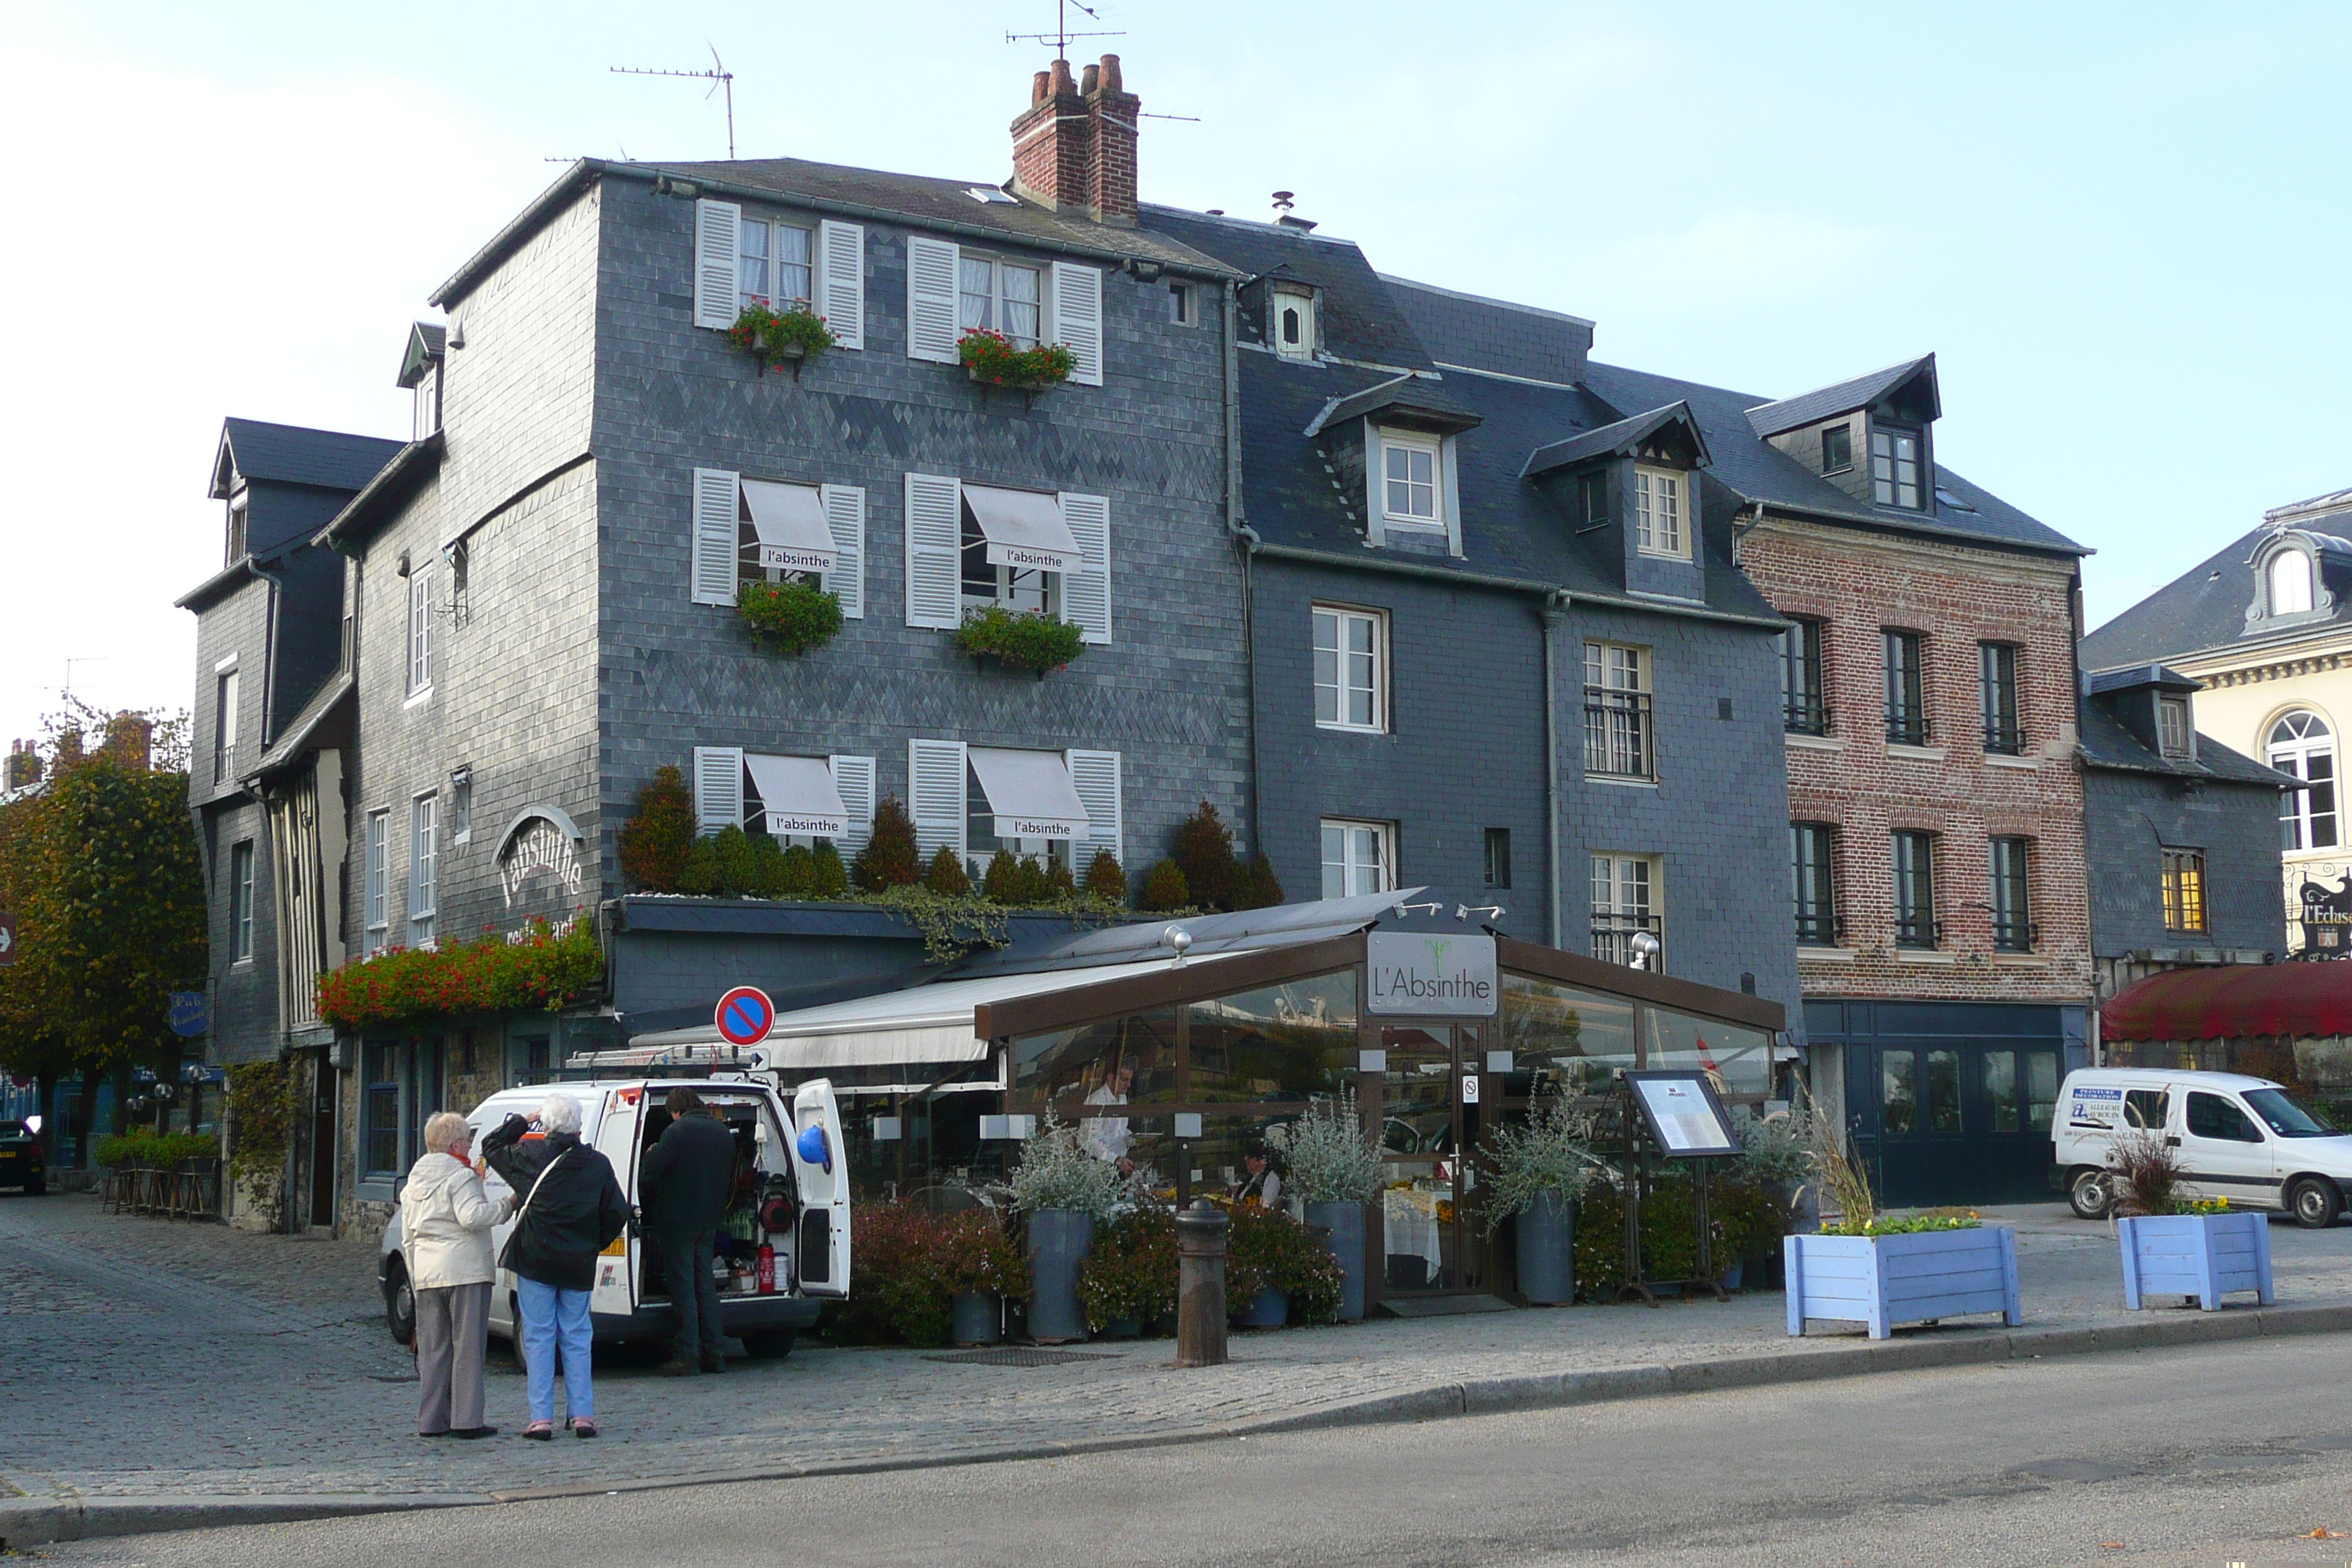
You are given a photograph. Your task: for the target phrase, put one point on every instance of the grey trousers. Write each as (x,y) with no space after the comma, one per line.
(451,1324)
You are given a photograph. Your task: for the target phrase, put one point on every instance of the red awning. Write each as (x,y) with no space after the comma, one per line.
(2232,1001)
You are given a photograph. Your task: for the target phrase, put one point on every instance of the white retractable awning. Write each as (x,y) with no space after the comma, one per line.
(789,521)
(799,796)
(1025,528)
(1030,791)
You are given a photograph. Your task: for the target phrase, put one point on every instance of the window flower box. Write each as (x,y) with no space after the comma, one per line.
(992,358)
(1905,1278)
(2199,1255)
(789,617)
(1020,639)
(779,338)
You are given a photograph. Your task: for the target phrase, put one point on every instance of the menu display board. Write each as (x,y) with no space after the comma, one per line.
(1682,1112)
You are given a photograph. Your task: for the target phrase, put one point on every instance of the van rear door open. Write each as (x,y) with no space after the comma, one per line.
(618,1271)
(822,1169)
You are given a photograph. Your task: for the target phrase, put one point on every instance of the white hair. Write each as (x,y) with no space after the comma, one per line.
(444,1130)
(560,1113)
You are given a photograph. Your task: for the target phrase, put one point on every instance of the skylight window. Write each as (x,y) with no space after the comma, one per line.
(990,195)
(1948,499)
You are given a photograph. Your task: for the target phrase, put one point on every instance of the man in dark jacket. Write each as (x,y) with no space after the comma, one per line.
(571,1209)
(687,1178)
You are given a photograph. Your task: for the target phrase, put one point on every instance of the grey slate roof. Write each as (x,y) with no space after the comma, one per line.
(296,455)
(383,494)
(2137,676)
(1402,393)
(2205,607)
(1361,320)
(2105,744)
(426,342)
(1610,439)
(1792,412)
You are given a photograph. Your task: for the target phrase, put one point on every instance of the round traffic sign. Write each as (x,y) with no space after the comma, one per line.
(745,1016)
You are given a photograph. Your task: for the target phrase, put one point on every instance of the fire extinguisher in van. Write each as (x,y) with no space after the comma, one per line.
(767,1269)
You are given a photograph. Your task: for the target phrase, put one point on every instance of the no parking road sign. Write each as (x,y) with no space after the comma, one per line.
(745,1016)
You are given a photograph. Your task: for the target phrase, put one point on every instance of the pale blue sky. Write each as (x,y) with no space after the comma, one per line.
(2123,228)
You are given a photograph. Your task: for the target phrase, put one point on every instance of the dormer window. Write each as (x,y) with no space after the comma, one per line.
(236,551)
(1291,323)
(2290,582)
(1837,448)
(1894,466)
(1659,524)
(2172,727)
(427,413)
(1409,487)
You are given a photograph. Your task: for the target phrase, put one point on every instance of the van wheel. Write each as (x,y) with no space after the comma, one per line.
(2314,1201)
(400,1307)
(2089,1194)
(768,1344)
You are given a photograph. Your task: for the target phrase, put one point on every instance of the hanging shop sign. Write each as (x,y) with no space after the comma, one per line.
(538,863)
(189,1017)
(2328,917)
(1432,976)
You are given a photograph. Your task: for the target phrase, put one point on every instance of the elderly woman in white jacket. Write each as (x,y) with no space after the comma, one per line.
(445,1233)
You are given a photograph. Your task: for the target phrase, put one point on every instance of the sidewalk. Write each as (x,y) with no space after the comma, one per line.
(147,1361)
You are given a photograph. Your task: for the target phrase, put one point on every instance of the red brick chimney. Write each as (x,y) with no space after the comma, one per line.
(1074,148)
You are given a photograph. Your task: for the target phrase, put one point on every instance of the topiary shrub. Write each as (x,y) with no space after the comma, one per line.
(1105,879)
(1164,888)
(702,875)
(767,867)
(800,873)
(889,858)
(1002,882)
(946,874)
(1257,888)
(738,861)
(1204,850)
(1059,883)
(656,841)
(830,878)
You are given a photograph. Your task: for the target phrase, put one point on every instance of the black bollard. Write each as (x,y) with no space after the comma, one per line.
(1201,1286)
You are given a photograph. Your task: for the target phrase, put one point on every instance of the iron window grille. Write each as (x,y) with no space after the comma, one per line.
(1814,884)
(1804,710)
(1617,726)
(2004,731)
(2012,917)
(1906,695)
(1915,891)
(1625,901)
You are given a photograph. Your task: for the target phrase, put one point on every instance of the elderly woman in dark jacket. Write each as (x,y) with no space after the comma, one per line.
(573,1208)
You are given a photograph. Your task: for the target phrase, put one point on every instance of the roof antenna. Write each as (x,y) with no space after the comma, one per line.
(1060,36)
(718,76)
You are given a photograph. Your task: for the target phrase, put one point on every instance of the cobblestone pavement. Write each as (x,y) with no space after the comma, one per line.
(144,1356)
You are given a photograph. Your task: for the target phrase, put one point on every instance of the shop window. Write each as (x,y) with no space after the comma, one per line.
(1067,1069)
(1739,1060)
(1575,1038)
(380,1109)
(2040,1089)
(1289,1042)
(1998,1071)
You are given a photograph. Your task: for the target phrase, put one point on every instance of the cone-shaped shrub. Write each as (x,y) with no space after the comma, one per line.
(947,875)
(1105,879)
(1203,851)
(889,858)
(832,876)
(1164,888)
(656,842)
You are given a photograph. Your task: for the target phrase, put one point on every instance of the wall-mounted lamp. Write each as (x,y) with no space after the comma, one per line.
(1179,938)
(1464,911)
(1644,948)
(1405,910)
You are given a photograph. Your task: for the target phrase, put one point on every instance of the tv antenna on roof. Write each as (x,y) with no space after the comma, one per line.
(718,76)
(1060,36)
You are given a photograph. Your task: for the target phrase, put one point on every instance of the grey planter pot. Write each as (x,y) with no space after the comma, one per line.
(1271,1309)
(1343,1223)
(1546,1250)
(1059,1240)
(973,1318)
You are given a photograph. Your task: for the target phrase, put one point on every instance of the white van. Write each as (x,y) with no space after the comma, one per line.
(785,1248)
(2240,1138)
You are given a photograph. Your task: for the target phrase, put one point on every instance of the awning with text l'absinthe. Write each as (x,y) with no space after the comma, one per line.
(790,523)
(1030,792)
(798,796)
(1025,528)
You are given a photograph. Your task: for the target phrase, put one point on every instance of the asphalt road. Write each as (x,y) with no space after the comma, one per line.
(2191,1456)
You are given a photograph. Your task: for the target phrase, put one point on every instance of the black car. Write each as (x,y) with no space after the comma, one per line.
(20,1160)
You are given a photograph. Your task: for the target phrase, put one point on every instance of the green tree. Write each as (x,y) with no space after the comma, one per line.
(1203,851)
(656,842)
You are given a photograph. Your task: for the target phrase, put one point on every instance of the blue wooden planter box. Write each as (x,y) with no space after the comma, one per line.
(2199,1255)
(1922,1277)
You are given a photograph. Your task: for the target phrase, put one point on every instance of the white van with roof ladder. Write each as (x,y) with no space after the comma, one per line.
(2240,1138)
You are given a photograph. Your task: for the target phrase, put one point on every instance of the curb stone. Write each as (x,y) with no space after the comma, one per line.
(32,1522)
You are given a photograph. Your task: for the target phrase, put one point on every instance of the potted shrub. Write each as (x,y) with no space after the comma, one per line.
(1537,1169)
(1272,1264)
(992,358)
(1019,639)
(789,617)
(2172,1245)
(1062,1192)
(980,1269)
(1335,1170)
(779,338)
(1883,1270)
(1129,1280)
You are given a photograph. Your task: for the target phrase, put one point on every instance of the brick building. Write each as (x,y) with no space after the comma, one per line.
(1936,841)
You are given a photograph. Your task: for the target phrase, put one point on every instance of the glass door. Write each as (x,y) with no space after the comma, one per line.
(1424,1244)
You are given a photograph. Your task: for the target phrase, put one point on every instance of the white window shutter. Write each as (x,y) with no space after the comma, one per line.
(1452,500)
(854,777)
(716,257)
(931,269)
(934,538)
(845,514)
(1085,593)
(718,494)
(1094,775)
(935,792)
(1078,319)
(841,282)
(1375,496)
(717,787)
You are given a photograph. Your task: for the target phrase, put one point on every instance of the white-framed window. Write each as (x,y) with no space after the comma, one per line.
(379,844)
(224,706)
(971,546)
(420,628)
(1007,297)
(975,800)
(1626,899)
(424,869)
(1290,323)
(1617,701)
(1411,482)
(1357,858)
(2300,743)
(732,545)
(1660,527)
(1180,308)
(1351,669)
(427,410)
(775,265)
(1894,466)
(2172,727)
(240,902)
(2290,582)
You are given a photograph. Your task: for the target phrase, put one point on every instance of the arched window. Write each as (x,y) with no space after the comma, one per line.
(2300,745)
(2290,584)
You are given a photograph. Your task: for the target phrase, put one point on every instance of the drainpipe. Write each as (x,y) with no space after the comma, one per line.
(1741,530)
(1245,543)
(1554,611)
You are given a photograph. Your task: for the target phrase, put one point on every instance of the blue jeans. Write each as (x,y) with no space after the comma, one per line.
(549,1315)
